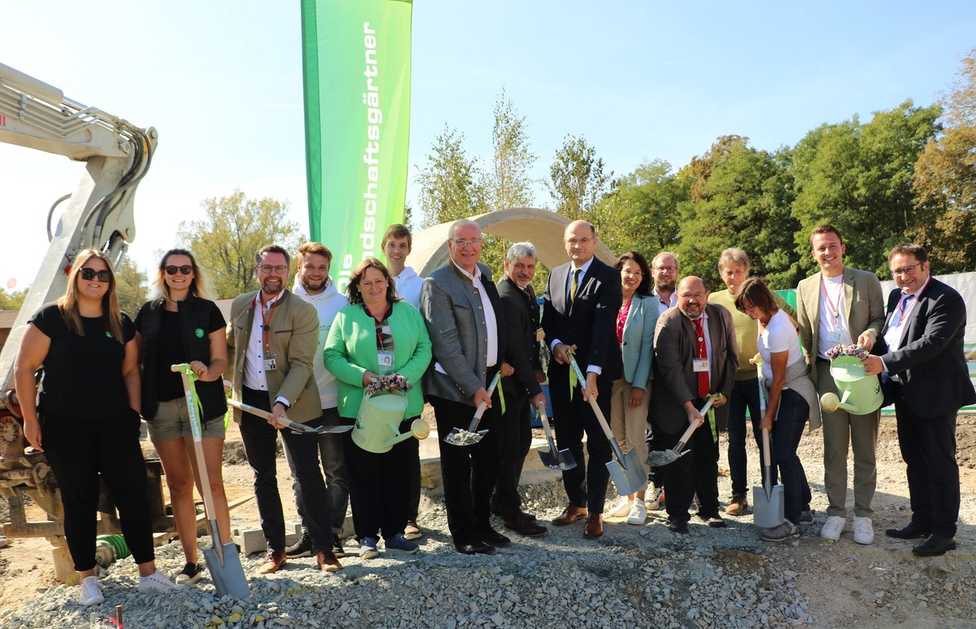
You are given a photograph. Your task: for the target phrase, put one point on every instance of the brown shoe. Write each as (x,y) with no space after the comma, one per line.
(571,514)
(276,561)
(594,526)
(739,505)
(327,561)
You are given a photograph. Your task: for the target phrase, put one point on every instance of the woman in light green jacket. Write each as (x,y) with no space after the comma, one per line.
(378,336)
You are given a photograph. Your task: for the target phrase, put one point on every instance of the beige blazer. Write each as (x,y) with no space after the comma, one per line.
(864,308)
(294,339)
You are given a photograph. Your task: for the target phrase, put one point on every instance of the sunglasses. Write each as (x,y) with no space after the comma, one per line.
(185,269)
(89,274)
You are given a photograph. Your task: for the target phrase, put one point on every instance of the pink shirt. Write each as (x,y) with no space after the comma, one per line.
(622,320)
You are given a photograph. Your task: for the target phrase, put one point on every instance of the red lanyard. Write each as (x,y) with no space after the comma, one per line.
(266,318)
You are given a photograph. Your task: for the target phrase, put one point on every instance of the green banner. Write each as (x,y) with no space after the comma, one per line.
(356,56)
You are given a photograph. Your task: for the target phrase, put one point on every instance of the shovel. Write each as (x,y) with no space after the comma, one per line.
(222,558)
(553,457)
(471,436)
(626,470)
(768,502)
(295,427)
(660,458)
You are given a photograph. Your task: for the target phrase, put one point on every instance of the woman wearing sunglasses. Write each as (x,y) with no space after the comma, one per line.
(180,326)
(88,424)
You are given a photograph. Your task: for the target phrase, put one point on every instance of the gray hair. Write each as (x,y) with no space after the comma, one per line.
(733,255)
(456,225)
(520,250)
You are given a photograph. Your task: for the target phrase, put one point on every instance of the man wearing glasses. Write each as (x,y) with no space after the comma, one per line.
(275,334)
(920,356)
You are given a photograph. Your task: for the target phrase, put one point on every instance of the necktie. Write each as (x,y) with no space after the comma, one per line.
(903,304)
(574,286)
(701,353)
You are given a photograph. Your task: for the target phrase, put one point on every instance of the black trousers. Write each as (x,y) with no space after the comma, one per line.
(468,472)
(260,444)
(379,486)
(514,437)
(694,473)
(586,486)
(928,447)
(333,456)
(80,452)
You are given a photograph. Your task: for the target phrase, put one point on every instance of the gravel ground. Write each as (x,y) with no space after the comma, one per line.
(636,575)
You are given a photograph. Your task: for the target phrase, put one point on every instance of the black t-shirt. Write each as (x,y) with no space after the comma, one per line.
(171,349)
(82,374)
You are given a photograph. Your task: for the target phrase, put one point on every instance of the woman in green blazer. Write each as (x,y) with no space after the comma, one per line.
(631,392)
(378,335)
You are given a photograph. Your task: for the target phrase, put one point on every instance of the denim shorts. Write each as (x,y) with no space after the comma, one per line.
(173,422)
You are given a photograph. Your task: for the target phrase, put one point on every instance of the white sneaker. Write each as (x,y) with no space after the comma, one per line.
(156,582)
(619,508)
(863,531)
(638,513)
(833,527)
(91,592)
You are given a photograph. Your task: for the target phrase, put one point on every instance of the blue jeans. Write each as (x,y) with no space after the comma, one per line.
(787,431)
(744,395)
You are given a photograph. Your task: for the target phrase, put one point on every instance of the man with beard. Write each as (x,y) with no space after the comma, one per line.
(694,359)
(312,283)
(273,337)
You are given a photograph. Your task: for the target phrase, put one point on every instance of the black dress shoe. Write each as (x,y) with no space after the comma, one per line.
(528,528)
(934,546)
(475,548)
(493,537)
(522,515)
(301,548)
(678,527)
(912,531)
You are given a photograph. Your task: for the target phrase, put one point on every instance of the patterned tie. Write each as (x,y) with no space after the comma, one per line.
(702,353)
(573,286)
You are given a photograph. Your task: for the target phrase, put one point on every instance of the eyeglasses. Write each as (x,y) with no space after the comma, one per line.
(89,274)
(905,270)
(273,268)
(185,269)
(467,242)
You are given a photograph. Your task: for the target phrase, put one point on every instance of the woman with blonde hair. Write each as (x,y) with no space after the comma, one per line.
(181,326)
(86,419)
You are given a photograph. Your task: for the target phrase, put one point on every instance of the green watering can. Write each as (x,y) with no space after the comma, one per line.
(378,423)
(860,393)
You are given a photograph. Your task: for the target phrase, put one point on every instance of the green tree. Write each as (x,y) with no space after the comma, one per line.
(858,177)
(233,230)
(577,180)
(738,196)
(12,301)
(131,286)
(509,185)
(450,181)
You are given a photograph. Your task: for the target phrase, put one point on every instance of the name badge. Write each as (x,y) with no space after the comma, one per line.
(270,362)
(385,359)
(699,364)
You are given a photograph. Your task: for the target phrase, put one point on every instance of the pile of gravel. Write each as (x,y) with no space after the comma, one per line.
(634,575)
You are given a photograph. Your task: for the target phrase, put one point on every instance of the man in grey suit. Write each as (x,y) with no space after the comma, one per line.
(467,331)
(840,306)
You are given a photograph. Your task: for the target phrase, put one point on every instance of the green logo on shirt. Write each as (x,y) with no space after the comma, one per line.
(199,333)
(108,334)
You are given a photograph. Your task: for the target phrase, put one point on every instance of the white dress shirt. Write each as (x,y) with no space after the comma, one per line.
(254,375)
(566,290)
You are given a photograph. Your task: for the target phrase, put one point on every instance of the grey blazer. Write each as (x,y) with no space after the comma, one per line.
(455,320)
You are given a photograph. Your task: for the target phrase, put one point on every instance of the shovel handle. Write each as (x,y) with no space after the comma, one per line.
(767,464)
(581,380)
(263,414)
(683,441)
(482,407)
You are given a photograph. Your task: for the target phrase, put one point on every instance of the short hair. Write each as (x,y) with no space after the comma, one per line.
(755,292)
(314,248)
(826,228)
(397,230)
(666,253)
(909,249)
(520,250)
(273,249)
(733,255)
(352,290)
(644,288)
(458,224)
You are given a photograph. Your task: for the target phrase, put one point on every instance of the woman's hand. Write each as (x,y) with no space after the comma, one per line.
(199,369)
(32,432)
(368,376)
(767,422)
(636,397)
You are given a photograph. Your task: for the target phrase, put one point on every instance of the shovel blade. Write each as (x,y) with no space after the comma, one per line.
(462,438)
(566,460)
(228,577)
(627,473)
(549,459)
(768,509)
(660,458)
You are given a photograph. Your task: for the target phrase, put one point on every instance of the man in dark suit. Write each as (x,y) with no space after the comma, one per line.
(581,303)
(921,356)
(694,358)
(464,316)
(521,388)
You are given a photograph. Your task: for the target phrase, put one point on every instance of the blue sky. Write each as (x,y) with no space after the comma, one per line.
(221,81)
